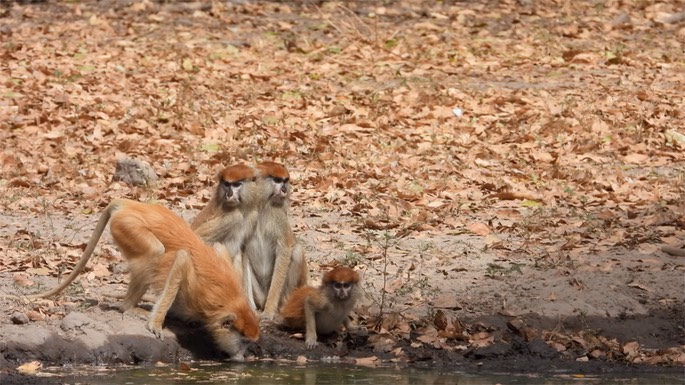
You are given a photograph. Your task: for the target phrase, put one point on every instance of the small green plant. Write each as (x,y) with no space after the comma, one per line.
(351,258)
(497,271)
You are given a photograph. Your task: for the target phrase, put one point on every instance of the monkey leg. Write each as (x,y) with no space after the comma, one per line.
(297,272)
(166,298)
(142,250)
(137,288)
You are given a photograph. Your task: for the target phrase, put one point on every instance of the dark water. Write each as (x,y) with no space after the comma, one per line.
(264,374)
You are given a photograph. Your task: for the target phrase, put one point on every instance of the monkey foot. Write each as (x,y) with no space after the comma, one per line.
(157,330)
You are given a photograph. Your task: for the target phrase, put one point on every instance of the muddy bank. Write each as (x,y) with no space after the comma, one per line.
(93,332)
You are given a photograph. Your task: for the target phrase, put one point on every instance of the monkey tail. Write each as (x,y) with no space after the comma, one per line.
(90,247)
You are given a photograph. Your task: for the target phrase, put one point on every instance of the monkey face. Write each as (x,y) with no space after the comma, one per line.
(229,193)
(280,189)
(233,335)
(230,342)
(342,289)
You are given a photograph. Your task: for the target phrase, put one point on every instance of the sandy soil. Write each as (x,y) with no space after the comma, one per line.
(515,311)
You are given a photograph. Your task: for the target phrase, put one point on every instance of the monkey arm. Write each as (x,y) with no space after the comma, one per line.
(310,309)
(248,281)
(284,251)
(179,269)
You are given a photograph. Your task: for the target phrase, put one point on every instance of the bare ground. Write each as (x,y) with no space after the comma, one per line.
(638,299)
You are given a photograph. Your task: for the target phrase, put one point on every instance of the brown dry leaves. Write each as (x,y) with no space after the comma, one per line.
(570,141)
(358,100)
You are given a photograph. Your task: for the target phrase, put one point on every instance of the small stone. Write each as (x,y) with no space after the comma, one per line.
(19,318)
(134,172)
(74,320)
(597,354)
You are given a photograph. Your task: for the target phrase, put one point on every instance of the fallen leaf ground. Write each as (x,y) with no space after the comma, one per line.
(503,173)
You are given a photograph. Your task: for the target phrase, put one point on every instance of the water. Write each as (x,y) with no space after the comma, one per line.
(265,374)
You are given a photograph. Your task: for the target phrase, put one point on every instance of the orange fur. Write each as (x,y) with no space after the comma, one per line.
(237,172)
(322,310)
(150,237)
(195,281)
(293,308)
(342,275)
(273,169)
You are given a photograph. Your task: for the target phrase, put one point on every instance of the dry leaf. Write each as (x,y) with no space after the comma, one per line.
(30,368)
(21,280)
(368,361)
(479,228)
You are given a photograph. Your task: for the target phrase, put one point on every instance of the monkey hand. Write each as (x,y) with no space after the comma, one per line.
(310,344)
(155,329)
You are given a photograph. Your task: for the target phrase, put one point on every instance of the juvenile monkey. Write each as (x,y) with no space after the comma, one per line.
(194,281)
(230,216)
(322,310)
(274,262)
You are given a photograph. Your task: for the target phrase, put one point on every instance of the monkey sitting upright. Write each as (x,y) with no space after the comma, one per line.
(322,310)
(248,213)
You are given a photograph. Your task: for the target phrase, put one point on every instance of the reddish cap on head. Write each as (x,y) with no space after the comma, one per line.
(247,323)
(236,173)
(341,274)
(273,169)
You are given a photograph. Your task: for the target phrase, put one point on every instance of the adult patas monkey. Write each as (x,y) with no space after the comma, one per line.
(322,310)
(249,214)
(194,281)
(273,261)
(230,216)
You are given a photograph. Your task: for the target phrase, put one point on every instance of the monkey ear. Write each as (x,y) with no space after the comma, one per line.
(228,321)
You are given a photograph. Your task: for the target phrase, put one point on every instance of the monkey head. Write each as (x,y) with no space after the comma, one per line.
(277,176)
(341,282)
(231,184)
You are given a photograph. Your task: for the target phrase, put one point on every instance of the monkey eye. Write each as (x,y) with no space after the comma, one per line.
(227,183)
(233,184)
(342,285)
(280,180)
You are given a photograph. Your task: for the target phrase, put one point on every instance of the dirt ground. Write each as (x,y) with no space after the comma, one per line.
(504,174)
(640,301)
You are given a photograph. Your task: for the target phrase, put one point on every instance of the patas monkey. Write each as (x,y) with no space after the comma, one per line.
(194,281)
(274,262)
(322,310)
(231,214)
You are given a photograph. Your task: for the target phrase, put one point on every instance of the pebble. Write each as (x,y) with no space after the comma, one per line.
(19,318)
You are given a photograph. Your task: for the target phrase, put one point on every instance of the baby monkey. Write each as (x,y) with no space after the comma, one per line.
(322,310)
